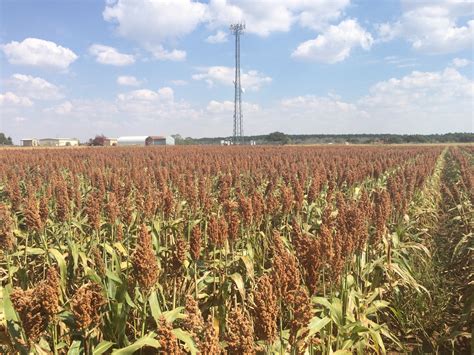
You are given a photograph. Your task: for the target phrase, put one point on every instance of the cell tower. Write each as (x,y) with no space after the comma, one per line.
(237,30)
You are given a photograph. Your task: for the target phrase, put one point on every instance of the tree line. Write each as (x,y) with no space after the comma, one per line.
(282,138)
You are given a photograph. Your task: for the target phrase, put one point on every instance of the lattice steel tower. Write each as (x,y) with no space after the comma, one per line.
(237,30)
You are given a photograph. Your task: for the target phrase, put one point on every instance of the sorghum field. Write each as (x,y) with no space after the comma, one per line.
(239,250)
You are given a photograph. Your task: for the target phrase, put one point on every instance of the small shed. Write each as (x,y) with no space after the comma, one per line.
(160,140)
(132,140)
(145,140)
(110,142)
(29,142)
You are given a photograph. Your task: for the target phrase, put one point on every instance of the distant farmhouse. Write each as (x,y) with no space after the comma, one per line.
(29,142)
(50,142)
(110,142)
(145,140)
(58,142)
(122,141)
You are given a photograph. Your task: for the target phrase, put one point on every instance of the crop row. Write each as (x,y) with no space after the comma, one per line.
(202,249)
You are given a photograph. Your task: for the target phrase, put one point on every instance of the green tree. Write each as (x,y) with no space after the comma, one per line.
(4,140)
(178,139)
(278,138)
(98,140)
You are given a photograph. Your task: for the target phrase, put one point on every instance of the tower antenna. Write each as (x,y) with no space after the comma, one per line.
(237,29)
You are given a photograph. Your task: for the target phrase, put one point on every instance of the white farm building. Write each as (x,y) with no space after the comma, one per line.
(131,140)
(58,142)
(145,140)
(29,142)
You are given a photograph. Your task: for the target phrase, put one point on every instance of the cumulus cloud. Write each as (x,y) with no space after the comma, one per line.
(266,17)
(155,19)
(329,114)
(220,107)
(159,23)
(226,107)
(335,44)
(401,62)
(251,79)
(262,17)
(159,52)
(151,23)
(422,102)
(10,99)
(39,53)
(317,14)
(34,87)
(426,91)
(144,101)
(82,110)
(461,62)
(63,108)
(163,94)
(432,26)
(109,55)
(419,102)
(127,80)
(179,82)
(140,104)
(317,104)
(218,37)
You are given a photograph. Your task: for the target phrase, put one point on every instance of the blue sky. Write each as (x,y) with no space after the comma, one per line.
(119,67)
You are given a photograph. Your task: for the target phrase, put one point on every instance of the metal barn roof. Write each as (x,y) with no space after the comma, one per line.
(132,139)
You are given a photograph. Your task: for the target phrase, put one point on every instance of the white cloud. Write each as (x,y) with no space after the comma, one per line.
(461,62)
(251,79)
(432,26)
(218,37)
(317,14)
(422,102)
(156,23)
(335,44)
(329,114)
(387,31)
(155,19)
(179,82)
(63,108)
(318,104)
(220,107)
(10,99)
(82,110)
(261,17)
(159,52)
(109,55)
(268,16)
(227,107)
(144,101)
(20,119)
(139,104)
(127,80)
(401,62)
(34,87)
(39,53)
(162,94)
(153,22)
(426,91)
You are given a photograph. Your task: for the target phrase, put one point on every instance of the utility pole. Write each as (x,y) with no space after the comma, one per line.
(237,30)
